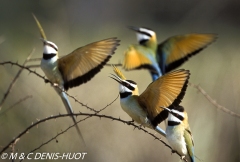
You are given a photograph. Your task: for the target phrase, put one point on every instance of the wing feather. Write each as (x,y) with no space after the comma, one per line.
(85,62)
(167,91)
(177,49)
(135,57)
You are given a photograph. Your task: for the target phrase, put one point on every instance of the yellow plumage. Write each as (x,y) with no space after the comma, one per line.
(135,57)
(118,73)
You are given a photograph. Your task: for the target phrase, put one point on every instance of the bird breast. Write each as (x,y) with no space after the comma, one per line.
(131,106)
(176,139)
(50,68)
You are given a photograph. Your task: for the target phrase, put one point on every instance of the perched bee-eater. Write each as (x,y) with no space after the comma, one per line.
(178,133)
(145,109)
(166,56)
(76,68)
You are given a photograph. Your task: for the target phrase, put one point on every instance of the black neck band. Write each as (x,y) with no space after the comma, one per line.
(48,56)
(125,94)
(173,123)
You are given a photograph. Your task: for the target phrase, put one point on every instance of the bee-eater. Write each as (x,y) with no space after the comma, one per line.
(178,133)
(76,68)
(166,56)
(145,109)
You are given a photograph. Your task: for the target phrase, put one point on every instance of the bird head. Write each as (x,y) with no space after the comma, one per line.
(176,115)
(49,47)
(145,36)
(126,87)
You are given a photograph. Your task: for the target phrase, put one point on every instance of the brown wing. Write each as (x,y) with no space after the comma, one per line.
(83,63)
(166,91)
(177,49)
(135,57)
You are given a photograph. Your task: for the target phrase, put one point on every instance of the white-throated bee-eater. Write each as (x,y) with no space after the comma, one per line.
(76,68)
(178,133)
(145,109)
(166,56)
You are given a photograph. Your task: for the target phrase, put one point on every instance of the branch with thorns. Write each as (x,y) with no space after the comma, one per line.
(23,67)
(212,101)
(47,81)
(15,79)
(224,109)
(80,114)
(62,132)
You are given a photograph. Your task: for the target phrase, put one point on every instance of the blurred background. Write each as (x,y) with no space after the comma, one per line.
(74,23)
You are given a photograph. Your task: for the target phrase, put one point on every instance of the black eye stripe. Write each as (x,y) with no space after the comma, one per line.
(145,33)
(130,81)
(180,117)
(129,86)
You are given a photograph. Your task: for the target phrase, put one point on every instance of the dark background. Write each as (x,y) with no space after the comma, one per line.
(74,23)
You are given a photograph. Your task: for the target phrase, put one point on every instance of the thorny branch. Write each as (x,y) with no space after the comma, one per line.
(65,115)
(211,100)
(47,81)
(62,132)
(15,79)
(89,115)
(191,84)
(18,102)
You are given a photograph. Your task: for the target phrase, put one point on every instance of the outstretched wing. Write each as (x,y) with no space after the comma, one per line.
(137,57)
(83,63)
(174,51)
(166,91)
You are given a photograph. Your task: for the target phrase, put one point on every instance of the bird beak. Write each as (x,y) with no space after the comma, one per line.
(43,40)
(116,78)
(136,29)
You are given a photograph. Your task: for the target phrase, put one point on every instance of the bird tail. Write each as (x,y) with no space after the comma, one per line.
(160,131)
(70,111)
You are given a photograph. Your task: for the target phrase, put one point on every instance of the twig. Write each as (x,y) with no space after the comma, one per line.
(220,107)
(18,102)
(84,114)
(12,146)
(62,132)
(47,81)
(14,80)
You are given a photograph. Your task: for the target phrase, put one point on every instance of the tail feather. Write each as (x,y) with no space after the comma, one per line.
(160,131)
(70,111)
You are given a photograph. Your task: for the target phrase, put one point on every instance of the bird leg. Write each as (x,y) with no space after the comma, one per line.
(130,122)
